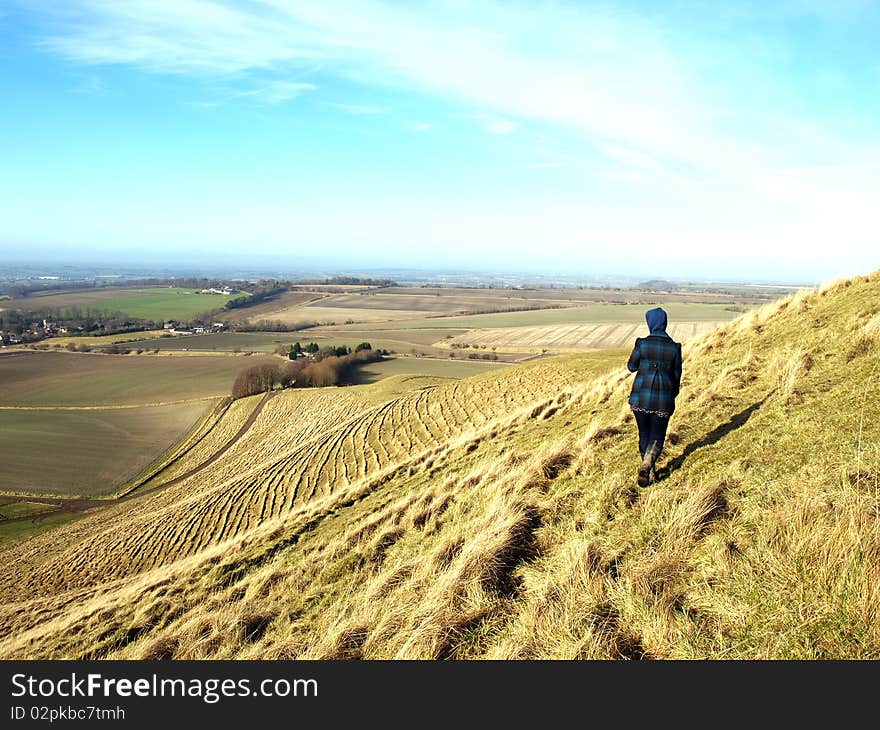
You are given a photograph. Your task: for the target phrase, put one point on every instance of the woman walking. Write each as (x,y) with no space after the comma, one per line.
(656,360)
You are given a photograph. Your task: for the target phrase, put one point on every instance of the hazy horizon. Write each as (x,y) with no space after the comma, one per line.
(736,140)
(269,267)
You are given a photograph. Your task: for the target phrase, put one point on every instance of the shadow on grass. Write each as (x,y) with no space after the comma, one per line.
(714,436)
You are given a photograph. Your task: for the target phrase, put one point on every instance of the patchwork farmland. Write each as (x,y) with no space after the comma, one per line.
(496,516)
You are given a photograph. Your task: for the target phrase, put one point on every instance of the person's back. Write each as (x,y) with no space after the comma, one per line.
(657,362)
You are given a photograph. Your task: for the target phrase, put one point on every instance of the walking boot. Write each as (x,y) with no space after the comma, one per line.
(647,474)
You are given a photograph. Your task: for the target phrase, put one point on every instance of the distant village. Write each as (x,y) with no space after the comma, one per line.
(43,329)
(35,330)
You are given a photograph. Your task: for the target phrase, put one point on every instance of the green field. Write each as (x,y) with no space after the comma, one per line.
(86,452)
(12,531)
(373,372)
(22,509)
(149,303)
(66,379)
(598,312)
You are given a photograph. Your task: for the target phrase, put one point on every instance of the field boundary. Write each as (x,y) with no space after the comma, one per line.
(111,408)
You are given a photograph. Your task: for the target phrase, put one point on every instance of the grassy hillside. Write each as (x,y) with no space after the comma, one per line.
(498,517)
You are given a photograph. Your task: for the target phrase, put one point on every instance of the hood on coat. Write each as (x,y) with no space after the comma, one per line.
(656,319)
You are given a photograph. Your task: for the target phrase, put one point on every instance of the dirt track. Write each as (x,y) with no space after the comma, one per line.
(82,505)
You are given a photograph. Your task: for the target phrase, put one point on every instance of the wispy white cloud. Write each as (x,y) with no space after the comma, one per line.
(616,77)
(361,110)
(418,126)
(201,37)
(276,92)
(654,109)
(491,124)
(501,126)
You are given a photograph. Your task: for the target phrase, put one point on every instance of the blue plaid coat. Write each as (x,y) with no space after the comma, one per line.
(656,360)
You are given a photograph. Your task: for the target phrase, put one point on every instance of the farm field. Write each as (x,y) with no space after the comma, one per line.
(598,312)
(572,296)
(458,368)
(20,509)
(322,314)
(561,338)
(404,341)
(84,424)
(390,339)
(388,303)
(439,302)
(146,339)
(149,303)
(11,532)
(372,305)
(46,378)
(89,452)
(223,342)
(266,310)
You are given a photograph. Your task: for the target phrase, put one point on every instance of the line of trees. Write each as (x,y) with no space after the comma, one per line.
(319,353)
(349,281)
(262,292)
(266,325)
(325,369)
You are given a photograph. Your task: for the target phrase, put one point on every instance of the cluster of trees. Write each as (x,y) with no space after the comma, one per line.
(350,281)
(319,353)
(264,291)
(324,369)
(266,325)
(112,349)
(260,379)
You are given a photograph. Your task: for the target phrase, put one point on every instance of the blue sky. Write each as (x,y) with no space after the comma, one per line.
(737,140)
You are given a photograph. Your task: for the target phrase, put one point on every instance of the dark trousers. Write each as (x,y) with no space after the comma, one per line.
(651,428)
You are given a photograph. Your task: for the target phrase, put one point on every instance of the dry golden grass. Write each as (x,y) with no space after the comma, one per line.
(499,518)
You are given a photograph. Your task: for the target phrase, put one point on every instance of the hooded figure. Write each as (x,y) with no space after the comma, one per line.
(656,360)
(656,319)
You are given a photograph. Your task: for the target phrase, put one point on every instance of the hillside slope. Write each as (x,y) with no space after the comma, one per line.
(498,517)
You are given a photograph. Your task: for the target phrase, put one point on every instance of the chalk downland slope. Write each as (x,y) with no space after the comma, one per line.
(498,517)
